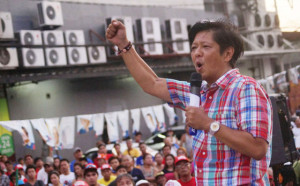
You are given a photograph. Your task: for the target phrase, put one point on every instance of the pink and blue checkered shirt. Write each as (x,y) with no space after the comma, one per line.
(237,102)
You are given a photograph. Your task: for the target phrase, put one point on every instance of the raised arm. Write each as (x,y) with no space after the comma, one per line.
(140,71)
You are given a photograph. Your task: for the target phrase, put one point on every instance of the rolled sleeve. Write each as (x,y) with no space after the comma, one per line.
(179,93)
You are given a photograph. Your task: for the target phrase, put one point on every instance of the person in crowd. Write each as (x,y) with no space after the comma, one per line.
(53,178)
(13,178)
(183,169)
(77,153)
(83,161)
(148,169)
(9,168)
(169,168)
(181,152)
(174,140)
(28,160)
(31,175)
(142,183)
(166,150)
(21,161)
(130,150)
(38,163)
(158,158)
(114,162)
(143,149)
(78,171)
(66,177)
(80,183)
(288,175)
(117,151)
(56,163)
(91,174)
(295,123)
(107,175)
(4,179)
(125,180)
(3,159)
(102,150)
(101,160)
(160,179)
(43,173)
(136,173)
(138,137)
(186,141)
(174,147)
(119,170)
(21,171)
(225,93)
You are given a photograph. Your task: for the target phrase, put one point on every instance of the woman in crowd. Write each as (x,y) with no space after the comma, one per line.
(158,158)
(125,179)
(186,141)
(169,168)
(181,152)
(148,168)
(117,151)
(78,170)
(56,163)
(53,179)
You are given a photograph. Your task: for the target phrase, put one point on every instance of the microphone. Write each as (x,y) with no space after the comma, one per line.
(195,81)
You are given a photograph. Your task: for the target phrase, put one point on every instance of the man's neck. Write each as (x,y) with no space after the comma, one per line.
(32,181)
(185,178)
(66,173)
(107,179)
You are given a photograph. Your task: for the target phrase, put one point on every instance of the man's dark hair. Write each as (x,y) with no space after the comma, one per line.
(138,133)
(224,33)
(118,179)
(120,167)
(29,167)
(37,159)
(89,170)
(113,158)
(166,146)
(27,155)
(64,160)
(101,144)
(141,143)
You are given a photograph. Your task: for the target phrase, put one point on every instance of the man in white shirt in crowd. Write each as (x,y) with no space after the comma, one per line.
(66,177)
(43,173)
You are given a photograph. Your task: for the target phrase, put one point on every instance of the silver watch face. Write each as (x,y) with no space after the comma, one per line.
(214,127)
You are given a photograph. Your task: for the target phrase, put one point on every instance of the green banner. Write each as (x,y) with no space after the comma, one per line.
(6,142)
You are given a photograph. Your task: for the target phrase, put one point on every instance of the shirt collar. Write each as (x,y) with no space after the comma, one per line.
(224,80)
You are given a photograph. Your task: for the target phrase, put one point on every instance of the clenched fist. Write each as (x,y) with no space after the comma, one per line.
(116,33)
(197,118)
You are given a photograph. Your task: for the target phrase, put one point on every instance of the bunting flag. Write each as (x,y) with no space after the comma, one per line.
(173,118)
(123,117)
(280,82)
(24,129)
(293,75)
(270,85)
(160,118)
(6,142)
(67,132)
(98,123)
(41,127)
(112,126)
(53,128)
(136,120)
(150,118)
(84,123)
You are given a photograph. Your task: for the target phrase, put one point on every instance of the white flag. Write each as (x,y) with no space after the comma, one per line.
(67,132)
(160,117)
(136,120)
(84,123)
(183,116)
(40,125)
(53,127)
(98,123)
(150,118)
(112,126)
(171,114)
(293,75)
(24,129)
(123,117)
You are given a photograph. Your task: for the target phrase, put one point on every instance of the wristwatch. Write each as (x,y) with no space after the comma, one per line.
(214,127)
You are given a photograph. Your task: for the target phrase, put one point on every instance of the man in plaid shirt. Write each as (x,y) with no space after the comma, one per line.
(234,118)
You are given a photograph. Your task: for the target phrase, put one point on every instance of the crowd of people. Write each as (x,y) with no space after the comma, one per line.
(134,166)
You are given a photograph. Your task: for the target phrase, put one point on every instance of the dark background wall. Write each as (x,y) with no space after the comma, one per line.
(65,97)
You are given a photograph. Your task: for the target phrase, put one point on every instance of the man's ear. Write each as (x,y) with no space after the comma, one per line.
(228,53)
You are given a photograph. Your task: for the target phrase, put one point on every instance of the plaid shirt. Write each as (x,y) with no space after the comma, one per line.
(237,102)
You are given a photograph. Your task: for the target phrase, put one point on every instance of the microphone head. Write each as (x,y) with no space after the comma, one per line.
(196,79)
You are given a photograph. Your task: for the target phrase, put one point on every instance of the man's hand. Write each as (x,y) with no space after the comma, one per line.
(197,118)
(116,33)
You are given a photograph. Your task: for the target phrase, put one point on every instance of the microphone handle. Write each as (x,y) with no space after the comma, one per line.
(194,102)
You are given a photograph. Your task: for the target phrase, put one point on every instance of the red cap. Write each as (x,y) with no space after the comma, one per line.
(80,183)
(19,166)
(105,166)
(101,156)
(181,158)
